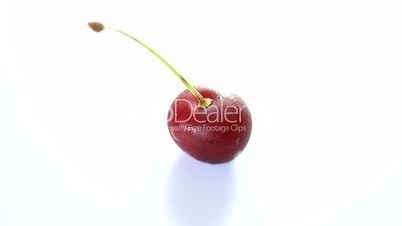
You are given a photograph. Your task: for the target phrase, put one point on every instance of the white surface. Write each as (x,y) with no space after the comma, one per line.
(83,137)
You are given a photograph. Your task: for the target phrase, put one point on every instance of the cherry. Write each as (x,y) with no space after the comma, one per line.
(208,125)
(215,134)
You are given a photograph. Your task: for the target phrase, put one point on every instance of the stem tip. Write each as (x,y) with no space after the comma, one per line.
(96,26)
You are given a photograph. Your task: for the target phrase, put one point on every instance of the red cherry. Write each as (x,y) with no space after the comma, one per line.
(211,127)
(215,134)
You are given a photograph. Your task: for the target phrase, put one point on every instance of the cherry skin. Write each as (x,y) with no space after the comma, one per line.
(215,134)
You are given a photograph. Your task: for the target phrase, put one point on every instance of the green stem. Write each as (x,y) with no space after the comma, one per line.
(206,102)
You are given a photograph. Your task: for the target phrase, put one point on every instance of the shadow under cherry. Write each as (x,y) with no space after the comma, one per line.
(199,193)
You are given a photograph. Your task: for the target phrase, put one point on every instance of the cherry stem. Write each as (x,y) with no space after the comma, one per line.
(205,102)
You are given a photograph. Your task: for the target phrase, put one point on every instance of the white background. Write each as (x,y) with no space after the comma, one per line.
(83,135)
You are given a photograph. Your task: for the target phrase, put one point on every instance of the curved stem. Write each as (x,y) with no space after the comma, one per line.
(206,102)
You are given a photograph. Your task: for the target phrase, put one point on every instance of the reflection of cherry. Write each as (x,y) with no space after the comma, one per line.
(209,126)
